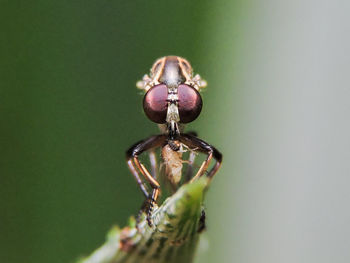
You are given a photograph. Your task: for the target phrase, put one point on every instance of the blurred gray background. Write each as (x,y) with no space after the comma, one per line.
(277,106)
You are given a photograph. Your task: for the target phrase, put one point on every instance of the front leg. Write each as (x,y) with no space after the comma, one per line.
(190,161)
(195,143)
(134,164)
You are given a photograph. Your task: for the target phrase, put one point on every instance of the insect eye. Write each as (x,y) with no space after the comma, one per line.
(190,103)
(155,103)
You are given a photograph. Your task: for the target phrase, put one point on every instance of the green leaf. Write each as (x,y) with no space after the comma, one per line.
(173,238)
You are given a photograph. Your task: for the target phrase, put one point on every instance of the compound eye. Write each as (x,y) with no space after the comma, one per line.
(190,103)
(155,103)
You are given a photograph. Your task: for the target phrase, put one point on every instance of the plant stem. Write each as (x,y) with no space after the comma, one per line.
(172,238)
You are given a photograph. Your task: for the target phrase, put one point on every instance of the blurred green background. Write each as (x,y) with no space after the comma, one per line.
(277,106)
(70,109)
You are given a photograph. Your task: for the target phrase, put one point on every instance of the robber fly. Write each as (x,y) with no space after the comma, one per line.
(171,100)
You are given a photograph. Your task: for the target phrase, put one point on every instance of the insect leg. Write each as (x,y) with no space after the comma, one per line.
(137,177)
(132,159)
(155,188)
(190,162)
(153,161)
(189,171)
(194,142)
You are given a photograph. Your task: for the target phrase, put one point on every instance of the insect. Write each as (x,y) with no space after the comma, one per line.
(171,100)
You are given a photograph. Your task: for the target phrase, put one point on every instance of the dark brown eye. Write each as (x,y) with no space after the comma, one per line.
(190,103)
(155,103)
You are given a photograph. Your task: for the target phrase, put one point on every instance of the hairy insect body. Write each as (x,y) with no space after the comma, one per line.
(171,100)
(173,164)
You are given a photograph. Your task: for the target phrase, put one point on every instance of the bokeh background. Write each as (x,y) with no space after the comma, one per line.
(277,106)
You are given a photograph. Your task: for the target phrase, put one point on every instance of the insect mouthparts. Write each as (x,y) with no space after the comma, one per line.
(171,100)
